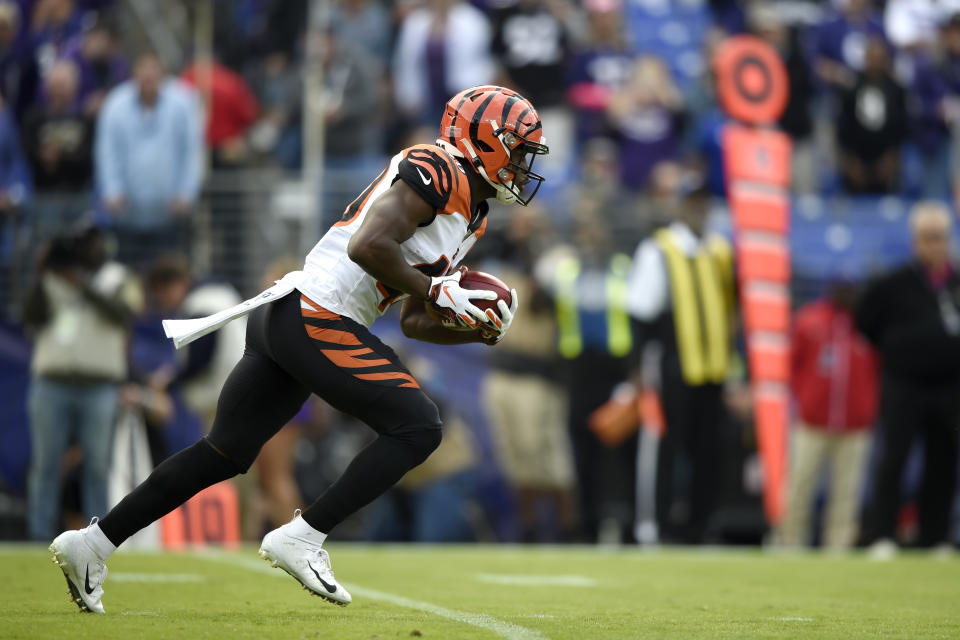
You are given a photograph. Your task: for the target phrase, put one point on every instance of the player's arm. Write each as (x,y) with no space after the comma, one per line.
(393,218)
(419,324)
(375,246)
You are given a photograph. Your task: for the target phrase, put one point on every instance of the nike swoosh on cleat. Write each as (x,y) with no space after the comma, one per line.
(86,582)
(332,588)
(425,179)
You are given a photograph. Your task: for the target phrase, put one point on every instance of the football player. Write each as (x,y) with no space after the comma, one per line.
(401,239)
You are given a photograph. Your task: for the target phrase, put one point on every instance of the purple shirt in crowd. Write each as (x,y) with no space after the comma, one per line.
(601,68)
(647,136)
(928,131)
(841,40)
(96,75)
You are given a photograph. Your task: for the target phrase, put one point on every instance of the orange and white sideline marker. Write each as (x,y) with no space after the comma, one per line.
(752,88)
(210,517)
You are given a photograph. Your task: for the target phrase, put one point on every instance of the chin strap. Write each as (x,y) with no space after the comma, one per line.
(504,195)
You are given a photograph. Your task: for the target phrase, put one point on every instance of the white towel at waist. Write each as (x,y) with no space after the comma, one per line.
(186,331)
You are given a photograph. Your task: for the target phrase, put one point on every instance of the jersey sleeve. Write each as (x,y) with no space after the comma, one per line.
(435,176)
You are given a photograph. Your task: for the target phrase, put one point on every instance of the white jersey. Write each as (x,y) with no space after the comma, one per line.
(340,285)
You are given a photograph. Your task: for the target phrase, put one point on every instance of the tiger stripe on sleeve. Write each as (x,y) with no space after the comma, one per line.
(437,177)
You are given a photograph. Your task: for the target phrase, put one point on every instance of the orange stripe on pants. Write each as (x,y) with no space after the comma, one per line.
(332,335)
(390,375)
(349,360)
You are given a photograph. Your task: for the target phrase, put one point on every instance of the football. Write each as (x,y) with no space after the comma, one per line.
(481,280)
(474,280)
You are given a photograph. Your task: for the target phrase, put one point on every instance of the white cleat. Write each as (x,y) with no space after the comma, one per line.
(82,568)
(306,562)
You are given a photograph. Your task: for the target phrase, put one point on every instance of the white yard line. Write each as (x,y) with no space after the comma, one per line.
(535,581)
(793,619)
(151,614)
(501,628)
(119,576)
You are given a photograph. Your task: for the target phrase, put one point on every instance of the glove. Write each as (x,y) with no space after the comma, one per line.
(493,330)
(453,301)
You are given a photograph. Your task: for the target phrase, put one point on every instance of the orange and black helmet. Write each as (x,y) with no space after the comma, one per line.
(499,132)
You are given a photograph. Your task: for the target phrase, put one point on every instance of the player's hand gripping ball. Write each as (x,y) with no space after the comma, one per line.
(493,314)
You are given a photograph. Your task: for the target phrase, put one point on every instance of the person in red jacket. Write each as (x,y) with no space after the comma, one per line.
(231,109)
(834,384)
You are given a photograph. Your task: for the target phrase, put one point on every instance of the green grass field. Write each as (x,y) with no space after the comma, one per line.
(519,593)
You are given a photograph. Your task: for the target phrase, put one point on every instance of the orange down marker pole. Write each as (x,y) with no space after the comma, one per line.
(752,89)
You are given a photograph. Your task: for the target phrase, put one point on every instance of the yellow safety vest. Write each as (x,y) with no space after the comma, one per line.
(702,291)
(619,338)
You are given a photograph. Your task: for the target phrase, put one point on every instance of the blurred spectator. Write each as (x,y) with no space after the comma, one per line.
(729,15)
(658,205)
(442,47)
(834,382)
(53,24)
(949,67)
(365,22)
(101,62)
(929,112)
(148,160)
(58,140)
(154,361)
(202,366)
(79,311)
(15,184)
(587,280)
(841,40)
(352,100)
(246,29)
(15,192)
(18,72)
(702,138)
(681,293)
(524,397)
(352,108)
(911,23)
(533,41)
(279,132)
(796,121)
(872,126)
(597,188)
(231,110)
(600,67)
(912,316)
(646,115)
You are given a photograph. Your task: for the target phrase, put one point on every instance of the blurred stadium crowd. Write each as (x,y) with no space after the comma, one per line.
(157,160)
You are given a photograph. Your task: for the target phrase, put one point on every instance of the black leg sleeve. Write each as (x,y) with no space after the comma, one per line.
(173,482)
(375,469)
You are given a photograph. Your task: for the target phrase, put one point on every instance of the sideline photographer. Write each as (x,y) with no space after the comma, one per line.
(78,311)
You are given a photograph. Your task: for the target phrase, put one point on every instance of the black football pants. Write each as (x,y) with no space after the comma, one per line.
(295,348)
